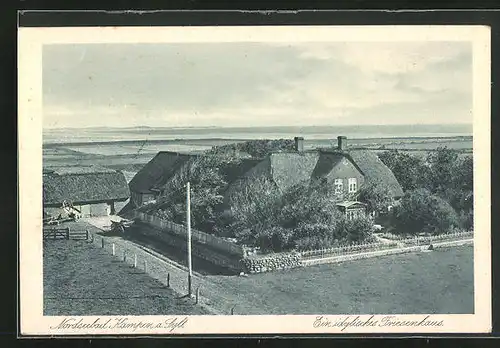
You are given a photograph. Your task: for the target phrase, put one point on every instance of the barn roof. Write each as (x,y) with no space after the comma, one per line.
(157,171)
(86,187)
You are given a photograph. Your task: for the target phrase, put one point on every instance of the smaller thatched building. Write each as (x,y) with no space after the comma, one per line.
(92,191)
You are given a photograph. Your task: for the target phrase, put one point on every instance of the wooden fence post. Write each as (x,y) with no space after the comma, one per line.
(168,280)
(135,260)
(124,255)
(197,294)
(113,249)
(102,242)
(67,232)
(87,234)
(232,310)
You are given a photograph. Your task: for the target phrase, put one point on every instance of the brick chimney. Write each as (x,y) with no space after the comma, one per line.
(342,142)
(299,144)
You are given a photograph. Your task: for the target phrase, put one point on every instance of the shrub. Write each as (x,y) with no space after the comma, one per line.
(357,229)
(420,211)
(377,197)
(315,242)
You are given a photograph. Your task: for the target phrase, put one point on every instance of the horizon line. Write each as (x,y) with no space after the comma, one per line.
(265,126)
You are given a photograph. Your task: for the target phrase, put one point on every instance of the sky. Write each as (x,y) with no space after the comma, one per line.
(256,84)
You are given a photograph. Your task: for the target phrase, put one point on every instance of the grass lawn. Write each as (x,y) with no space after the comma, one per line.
(80,279)
(435,282)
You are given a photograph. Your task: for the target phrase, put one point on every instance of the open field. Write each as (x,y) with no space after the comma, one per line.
(80,279)
(436,282)
(131,155)
(440,281)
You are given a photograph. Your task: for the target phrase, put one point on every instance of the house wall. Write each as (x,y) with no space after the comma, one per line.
(140,198)
(345,170)
(136,198)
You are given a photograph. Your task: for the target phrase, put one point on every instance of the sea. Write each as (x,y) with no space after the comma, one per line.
(105,134)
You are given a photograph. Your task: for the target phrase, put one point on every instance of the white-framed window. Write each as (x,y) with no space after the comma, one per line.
(353,185)
(350,215)
(339,185)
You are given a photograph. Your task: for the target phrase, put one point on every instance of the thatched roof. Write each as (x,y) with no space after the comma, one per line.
(236,171)
(325,164)
(287,169)
(158,171)
(84,188)
(375,171)
(291,168)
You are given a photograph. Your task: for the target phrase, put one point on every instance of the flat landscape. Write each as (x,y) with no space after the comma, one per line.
(131,155)
(397,284)
(80,279)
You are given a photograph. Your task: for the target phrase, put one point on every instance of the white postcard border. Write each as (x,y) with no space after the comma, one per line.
(32,321)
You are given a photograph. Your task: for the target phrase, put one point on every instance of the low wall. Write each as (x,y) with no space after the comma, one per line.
(273,262)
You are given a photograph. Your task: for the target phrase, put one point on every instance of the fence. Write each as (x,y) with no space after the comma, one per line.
(346,250)
(394,243)
(64,233)
(197,236)
(426,240)
(172,275)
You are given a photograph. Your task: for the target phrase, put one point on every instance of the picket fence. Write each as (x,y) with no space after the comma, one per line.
(196,236)
(346,249)
(425,240)
(377,246)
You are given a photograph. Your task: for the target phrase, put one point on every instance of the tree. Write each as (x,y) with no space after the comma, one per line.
(207,184)
(254,207)
(377,196)
(408,169)
(259,148)
(442,165)
(421,211)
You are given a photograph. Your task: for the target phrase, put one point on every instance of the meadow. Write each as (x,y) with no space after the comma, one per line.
(80,279)
(393,284)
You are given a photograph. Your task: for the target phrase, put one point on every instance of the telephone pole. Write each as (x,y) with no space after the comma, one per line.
(188,222)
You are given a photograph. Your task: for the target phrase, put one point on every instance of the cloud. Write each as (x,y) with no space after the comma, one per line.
(253,83)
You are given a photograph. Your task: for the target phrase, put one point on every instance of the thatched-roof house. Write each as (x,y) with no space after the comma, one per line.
(147,184)
(344,170)
(93,191)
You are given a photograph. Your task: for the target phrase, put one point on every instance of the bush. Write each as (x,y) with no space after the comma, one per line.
(315,242)
(466,219)
(420,211)
(377,197)
(357,229)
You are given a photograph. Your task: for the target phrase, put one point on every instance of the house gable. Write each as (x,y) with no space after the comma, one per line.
(345,170)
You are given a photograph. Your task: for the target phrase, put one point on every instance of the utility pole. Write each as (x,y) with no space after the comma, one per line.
(188,221)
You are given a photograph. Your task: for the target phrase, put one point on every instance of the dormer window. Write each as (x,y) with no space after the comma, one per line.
(353,185)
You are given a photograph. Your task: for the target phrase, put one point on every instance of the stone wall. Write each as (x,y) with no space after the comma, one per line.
(273,262)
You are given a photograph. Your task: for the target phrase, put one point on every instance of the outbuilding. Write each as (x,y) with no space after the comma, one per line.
(91,191)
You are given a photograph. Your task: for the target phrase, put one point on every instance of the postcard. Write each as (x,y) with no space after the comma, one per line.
(254,180)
